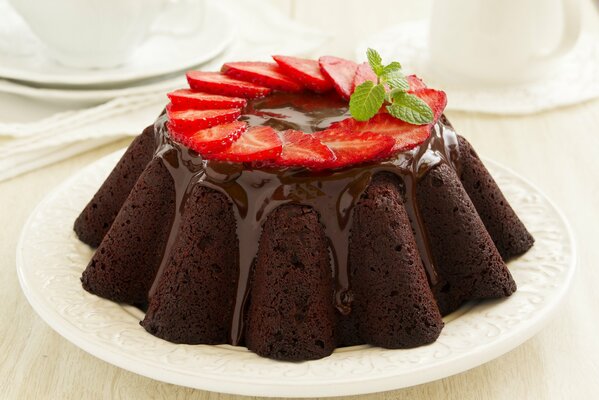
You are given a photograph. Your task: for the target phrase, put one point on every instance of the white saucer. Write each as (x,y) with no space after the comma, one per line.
(90,96)
(160,54)
(50,260)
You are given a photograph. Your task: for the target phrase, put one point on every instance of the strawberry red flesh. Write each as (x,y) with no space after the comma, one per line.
(217,83)
(211,140)
(363,73)
(341,72)
(301,149)
(354,148)
(185,98)
(415,82)
(258,143)
(436,100)
(262,73)
(305,71)
(193,120)
(406,136)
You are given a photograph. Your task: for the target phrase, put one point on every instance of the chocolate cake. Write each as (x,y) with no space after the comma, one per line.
(295,261)
(95,220)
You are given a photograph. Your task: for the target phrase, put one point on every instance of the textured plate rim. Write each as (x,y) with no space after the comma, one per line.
(99,77)
(257,386)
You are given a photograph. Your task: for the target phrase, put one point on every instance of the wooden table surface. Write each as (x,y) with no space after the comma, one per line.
(557,150)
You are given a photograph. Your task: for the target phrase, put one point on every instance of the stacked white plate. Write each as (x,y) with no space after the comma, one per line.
(155,66)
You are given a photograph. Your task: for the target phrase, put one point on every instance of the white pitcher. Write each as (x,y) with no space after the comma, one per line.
(501,41)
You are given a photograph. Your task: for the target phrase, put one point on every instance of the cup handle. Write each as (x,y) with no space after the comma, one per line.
(572,28)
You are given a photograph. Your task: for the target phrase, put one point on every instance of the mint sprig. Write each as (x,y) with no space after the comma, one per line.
(366,97)
(391,87)
(410,108)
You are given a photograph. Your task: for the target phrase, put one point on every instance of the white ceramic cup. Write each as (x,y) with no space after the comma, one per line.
(501,41)
(90,33)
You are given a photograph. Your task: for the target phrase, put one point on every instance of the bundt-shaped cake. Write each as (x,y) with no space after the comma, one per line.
(264,209)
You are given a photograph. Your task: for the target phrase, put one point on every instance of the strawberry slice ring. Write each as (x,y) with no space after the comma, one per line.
(205,116)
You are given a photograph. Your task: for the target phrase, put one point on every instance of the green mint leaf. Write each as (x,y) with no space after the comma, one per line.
(410,109)
(394,66)
(391,90)
(375,61)
(366,100)
(395,80)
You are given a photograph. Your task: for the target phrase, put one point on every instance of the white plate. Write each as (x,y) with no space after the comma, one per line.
(160,54)
(90,96)
(50,260)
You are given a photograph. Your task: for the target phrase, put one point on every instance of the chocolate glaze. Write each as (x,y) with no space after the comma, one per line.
(256,191)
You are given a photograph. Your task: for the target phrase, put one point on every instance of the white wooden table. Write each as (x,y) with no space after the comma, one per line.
(556,150)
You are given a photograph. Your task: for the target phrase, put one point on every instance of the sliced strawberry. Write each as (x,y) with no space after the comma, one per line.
(415,82)
(363,73)
(211,140)
(302,149)
(341,72)
(258,143)
(354,148)
(305,71)
(217,83)
(263,73)
(406,136)
(436,100)
(193,120)
(185,98)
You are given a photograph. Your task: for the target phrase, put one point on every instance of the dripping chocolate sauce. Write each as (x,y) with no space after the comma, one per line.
(256,192)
